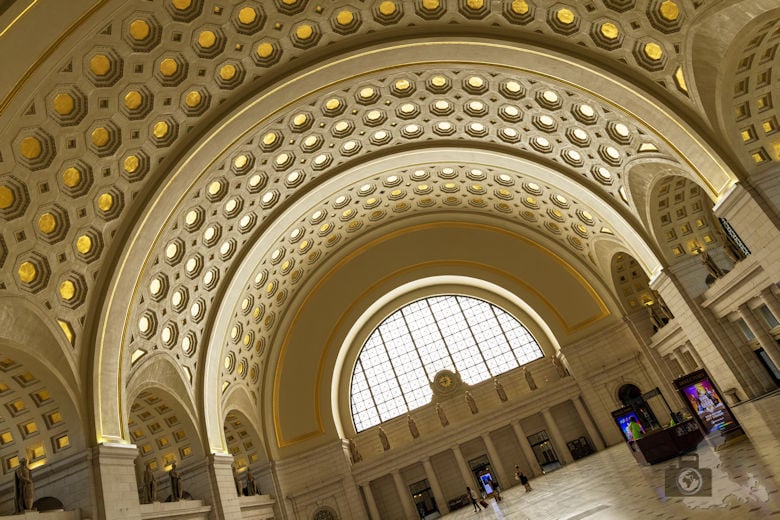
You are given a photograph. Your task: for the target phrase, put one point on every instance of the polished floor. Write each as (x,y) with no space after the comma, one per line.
(610,485)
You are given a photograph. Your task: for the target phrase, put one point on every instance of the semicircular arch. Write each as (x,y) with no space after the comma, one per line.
(693,150)
(381,307)
(161,420)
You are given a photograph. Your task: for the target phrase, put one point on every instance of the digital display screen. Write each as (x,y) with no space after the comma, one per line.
(486,479)
(708,405)
(623,421)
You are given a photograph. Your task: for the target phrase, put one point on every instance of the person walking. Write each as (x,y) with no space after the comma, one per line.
(519,475)
(524,482)
(635,429)
(473,499)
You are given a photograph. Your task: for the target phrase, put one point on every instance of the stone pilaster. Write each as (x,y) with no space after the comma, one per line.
(528,451)
(767,342)
(772,302)
(465,471)
(703,331)
(370,502)
(557,439)
(404,496)
(655,365)
(433,480)
(595,437)
(116,488)
(495,461)
(211,480)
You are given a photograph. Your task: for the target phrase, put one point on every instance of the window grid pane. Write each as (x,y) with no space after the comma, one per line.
(394,369)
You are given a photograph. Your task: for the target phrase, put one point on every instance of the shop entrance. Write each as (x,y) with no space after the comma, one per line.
(424,501)
(544,451)
(484,474)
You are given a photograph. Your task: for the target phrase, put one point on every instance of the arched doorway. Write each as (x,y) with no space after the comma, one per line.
(631,395)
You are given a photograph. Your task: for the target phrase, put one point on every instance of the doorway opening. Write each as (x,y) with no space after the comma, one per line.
(544,451)
(484,474)
(424,501)
(630,395)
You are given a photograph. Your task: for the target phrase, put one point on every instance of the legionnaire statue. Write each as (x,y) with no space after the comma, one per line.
(412,426)
(500,390)
(529,379)
(150,485)
(236,479)
(562,372)
(24,489)
(353,452)
(177,493)
(471,402)
(251,485)
(383,439)
(710,264)
(442,416)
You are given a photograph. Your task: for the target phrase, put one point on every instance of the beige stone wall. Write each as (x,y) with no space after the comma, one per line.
(69,480)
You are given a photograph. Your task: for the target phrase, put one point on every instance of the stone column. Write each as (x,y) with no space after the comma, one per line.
(116,488)
(528,451)
(674,366)
(372,509)
(762,335)
(465,470)
(704,330)
(594,434)
(441,503)
(753,376)
(404,496)
(694,354)
(495,461)
(771,301)
(678,353)
(211,480)
(555,436)
(657,366)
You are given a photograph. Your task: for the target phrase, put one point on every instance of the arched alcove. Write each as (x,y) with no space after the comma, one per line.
(39,421)
(161,424)
(42,418)
(242,440)
(631,283)
(732,52)
(682,219)
(628,393)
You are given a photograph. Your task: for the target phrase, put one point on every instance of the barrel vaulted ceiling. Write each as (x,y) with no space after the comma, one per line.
(155,151)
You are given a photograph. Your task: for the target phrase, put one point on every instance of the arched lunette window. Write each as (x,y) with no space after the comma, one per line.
(394,369)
